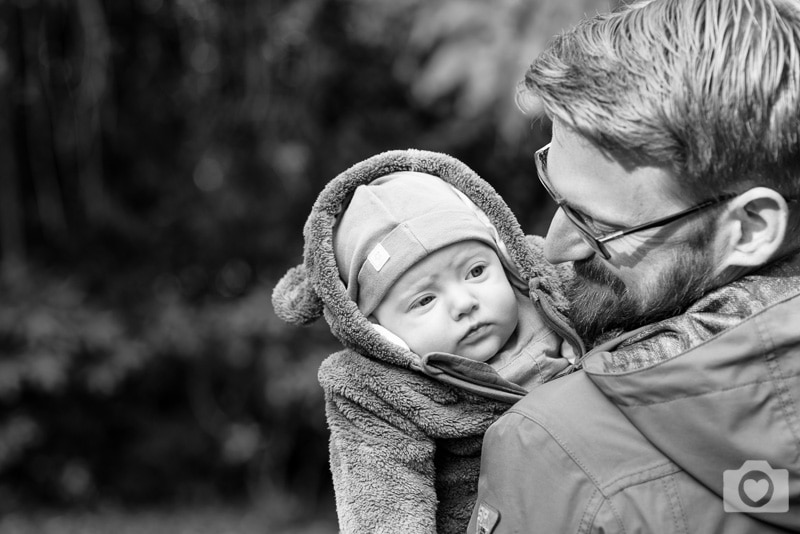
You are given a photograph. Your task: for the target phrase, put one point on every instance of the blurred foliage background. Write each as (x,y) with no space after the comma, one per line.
(159,160)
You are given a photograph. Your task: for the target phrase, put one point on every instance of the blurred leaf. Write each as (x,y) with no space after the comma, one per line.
(483,49)
(16,435)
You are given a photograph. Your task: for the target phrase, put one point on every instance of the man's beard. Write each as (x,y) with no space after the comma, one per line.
(601,305)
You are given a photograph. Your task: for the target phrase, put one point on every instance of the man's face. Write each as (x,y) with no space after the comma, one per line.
(457,300)
(650,275)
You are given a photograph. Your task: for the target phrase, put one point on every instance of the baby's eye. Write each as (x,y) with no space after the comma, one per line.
(422,302)
(477,271)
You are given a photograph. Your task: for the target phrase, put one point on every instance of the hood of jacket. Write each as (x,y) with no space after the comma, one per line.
(314,288)
(728,408)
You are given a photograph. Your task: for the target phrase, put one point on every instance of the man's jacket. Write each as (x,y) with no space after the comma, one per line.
(690,425)
(405,430)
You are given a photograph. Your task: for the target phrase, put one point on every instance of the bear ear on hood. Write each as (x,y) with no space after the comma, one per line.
(294,298)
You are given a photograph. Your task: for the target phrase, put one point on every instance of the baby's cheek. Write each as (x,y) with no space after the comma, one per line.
(432,338)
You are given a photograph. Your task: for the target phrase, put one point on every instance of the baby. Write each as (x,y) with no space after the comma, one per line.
(445,325)
(428,268)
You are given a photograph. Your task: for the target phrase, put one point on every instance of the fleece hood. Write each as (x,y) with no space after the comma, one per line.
(726,411)
(314,288)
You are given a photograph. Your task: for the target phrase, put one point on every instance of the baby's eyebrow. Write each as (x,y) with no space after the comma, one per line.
(466,256)
(422,284)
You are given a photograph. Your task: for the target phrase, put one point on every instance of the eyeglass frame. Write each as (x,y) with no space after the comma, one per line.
(598,242)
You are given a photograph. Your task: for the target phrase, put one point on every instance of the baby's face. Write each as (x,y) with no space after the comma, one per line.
(456,300)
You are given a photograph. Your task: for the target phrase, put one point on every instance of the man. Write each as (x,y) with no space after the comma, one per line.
(675,161)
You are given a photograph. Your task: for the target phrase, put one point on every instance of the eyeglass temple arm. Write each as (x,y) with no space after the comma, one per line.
(665,220)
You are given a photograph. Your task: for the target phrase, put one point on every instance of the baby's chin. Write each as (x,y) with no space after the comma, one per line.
(482,352)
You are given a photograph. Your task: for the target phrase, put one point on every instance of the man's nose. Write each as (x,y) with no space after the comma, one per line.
(462,302)
(564,242)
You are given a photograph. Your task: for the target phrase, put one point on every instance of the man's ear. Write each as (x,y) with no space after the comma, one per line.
(754,226)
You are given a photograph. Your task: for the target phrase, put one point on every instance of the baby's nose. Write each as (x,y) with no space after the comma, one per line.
(463,303)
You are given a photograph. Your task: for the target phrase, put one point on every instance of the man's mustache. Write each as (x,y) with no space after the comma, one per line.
(593,272)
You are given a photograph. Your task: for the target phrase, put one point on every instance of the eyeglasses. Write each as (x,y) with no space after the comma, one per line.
(598,242)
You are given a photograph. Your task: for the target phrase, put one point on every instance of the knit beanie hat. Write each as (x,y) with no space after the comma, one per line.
(395,221)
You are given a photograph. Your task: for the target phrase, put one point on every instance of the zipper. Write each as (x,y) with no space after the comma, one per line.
(559,325)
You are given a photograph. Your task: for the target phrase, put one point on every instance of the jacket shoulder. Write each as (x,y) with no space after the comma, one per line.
(587,427)
(564,459)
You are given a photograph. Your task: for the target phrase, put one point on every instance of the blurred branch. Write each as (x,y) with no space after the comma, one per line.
(14,154)
(91,91)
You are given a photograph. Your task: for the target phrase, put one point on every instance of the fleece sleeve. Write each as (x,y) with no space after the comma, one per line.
(383,475)
(382,463)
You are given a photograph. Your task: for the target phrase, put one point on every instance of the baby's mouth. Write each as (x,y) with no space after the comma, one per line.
(475,331)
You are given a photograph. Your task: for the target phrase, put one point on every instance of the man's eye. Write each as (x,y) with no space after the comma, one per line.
(600,228)
(590,223)
(477,271)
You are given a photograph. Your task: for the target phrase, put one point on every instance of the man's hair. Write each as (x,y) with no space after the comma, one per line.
(710,87)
